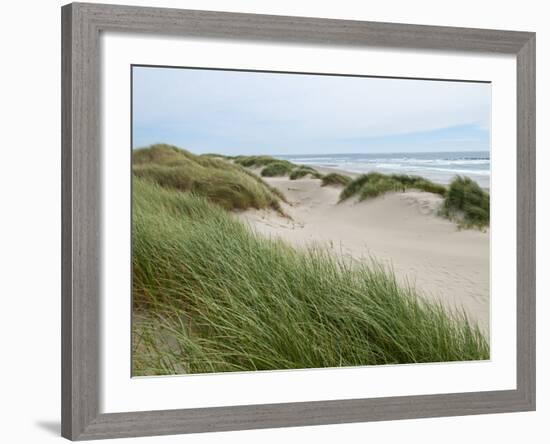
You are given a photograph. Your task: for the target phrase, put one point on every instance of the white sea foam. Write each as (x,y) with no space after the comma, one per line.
(439,167)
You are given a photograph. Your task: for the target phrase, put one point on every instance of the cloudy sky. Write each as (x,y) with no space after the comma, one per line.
(267,113)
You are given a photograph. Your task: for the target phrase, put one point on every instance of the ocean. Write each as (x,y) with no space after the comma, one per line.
(438,167)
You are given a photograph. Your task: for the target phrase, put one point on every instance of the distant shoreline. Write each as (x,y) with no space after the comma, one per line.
(438,167)
(328,170)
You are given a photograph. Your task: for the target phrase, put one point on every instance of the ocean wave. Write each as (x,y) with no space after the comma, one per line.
(392,161)
(436,166)
(449,161)
(473,158)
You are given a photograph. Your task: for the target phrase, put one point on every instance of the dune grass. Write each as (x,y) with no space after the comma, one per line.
(467,203)
(275,169)
(216,155)
(335,179)
(301,171)
(209,295)
(272,167)
(220,181)
(257,161)
(372,185)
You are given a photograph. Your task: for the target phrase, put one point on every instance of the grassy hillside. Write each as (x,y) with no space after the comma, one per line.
(272,167)
(211,296)
(335,179)
(467,203)
(256,161)
(304,171)
(277,169)
(220,181)
(374,184)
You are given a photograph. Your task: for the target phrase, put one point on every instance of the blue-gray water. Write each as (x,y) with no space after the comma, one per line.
(438,167)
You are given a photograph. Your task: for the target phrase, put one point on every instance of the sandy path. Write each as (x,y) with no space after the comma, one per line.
(401,230)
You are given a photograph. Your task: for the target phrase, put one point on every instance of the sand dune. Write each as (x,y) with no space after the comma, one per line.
(400,229)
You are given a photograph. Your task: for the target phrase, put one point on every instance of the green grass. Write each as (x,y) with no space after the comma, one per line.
(216,155)
(256,161)
(302,171)
(272,167)
(372,185)
(220,181)
(335,179)
(467,203)
(279,168)
(211,296)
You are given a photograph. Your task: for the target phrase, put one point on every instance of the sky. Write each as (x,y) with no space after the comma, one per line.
(236,112)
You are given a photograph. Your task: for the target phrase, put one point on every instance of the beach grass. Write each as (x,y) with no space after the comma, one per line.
(257,161)
(275,169)
(303,171)
(220,181)
(372,185)
(216,155)
(467,203)
(335,179)
(272,167)
(210,295)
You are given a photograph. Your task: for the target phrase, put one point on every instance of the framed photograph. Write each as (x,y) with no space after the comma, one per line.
(276,221)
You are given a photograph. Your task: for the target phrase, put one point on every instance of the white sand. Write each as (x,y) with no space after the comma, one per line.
(400,229)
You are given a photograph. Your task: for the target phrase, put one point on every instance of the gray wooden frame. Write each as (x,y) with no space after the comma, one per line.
(81,232)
